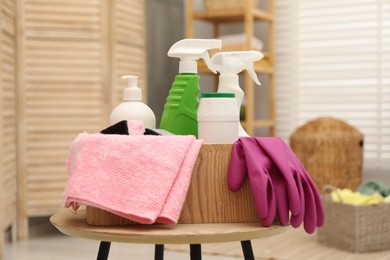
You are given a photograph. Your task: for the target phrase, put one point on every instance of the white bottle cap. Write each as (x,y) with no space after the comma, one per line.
(229,78)
(188,66)
(132,92)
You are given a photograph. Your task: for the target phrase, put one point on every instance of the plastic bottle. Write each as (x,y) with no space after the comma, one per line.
(132,107)
(218,118)
(180,109)
(229,65)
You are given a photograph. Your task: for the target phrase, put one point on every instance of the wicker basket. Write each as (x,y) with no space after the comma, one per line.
(331,151)
(360,229)
(212,5)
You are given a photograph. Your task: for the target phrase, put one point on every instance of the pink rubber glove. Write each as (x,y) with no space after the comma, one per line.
(312,214)
(267,183)
(261,186)
(238,172)
(317,197)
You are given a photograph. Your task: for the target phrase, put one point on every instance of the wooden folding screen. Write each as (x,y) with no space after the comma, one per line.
(127,34)
(8,143)
(71,55)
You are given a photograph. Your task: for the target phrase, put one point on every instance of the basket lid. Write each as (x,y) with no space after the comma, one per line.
(327,126)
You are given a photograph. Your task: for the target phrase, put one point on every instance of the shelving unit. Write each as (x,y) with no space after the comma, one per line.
(248,15)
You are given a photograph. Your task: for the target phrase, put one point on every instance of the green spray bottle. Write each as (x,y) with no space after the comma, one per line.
(180,109)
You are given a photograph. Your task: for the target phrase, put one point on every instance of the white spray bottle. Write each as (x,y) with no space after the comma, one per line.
(229,65)
(132,107)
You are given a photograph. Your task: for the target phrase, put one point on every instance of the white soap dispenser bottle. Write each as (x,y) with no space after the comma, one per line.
(132,107)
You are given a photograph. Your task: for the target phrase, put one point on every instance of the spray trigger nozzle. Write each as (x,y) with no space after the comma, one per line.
(253,75)
(191,50)
(207,61)
(236,61)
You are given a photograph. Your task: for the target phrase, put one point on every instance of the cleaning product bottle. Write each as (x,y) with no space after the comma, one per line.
(132,107)
(229,65)
(218,118)
(180,109)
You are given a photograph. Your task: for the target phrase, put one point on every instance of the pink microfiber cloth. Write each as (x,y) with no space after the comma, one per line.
(141,178)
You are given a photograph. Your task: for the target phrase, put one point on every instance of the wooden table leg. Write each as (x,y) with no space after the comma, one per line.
(159,252)
(195,252)
(247,250)
(104,249)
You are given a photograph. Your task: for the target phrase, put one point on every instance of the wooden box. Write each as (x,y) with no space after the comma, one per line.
(209,200)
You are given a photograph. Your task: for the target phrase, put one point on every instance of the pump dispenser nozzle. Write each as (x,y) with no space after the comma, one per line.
(132,92)
(132,107)
(191,50)
(229,65)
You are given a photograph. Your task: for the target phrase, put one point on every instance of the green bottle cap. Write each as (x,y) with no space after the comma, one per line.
(217,95)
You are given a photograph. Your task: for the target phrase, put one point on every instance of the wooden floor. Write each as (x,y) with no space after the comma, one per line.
(293,244)
(47,243)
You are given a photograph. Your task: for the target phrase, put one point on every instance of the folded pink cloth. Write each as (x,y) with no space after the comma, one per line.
(141,178)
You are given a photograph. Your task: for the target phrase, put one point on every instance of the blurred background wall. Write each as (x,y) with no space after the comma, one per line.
(165,26)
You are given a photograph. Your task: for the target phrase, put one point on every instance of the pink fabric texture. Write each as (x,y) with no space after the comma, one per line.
(135,127)
(141,178)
